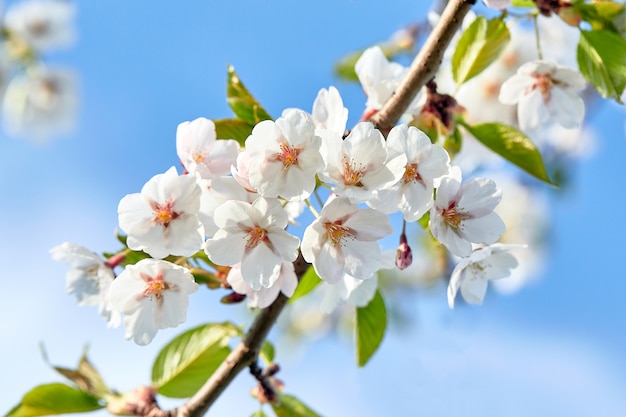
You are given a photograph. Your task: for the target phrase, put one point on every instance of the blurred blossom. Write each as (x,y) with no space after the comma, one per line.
(44,25)
(41,103)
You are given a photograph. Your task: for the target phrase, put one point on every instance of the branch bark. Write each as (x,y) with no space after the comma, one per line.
(425,64)
(421,71)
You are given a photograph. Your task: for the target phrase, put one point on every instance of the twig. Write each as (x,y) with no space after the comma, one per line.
(424,65)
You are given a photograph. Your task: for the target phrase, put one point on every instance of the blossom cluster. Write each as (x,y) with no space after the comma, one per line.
(38,100)
(236,207)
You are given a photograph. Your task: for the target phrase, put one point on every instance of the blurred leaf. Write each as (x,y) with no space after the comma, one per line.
(243,104)
(512,145)
(259,413)
(52,399)
(602,60)
(307,283)
(290,406)
(233,129)
(344,68)
(267,352)
(185,363)
(371,322)
(480,45)
(523,3)
(600,15)
(454,142)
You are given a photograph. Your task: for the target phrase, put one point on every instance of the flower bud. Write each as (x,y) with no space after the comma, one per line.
(404,255)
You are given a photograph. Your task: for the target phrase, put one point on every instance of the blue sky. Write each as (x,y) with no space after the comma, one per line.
(555,348)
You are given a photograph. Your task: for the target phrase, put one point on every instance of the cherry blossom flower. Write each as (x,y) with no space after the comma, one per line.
(163,219)
(361,164)
(348,290)
(199,151)
(286,283)
(463,214)
(284,156)
(426,164)
(329,114)
(471,274)
(545,91)
(152,295)
(253,235)
(497,4)
(216,192)
(45,25)
(343,240)
(41,103)
(380,78)
(88,279)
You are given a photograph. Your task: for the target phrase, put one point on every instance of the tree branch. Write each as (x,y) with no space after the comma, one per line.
(424,65)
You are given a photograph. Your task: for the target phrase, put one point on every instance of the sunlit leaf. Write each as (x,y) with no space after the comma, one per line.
(307,283)
(267,352)
(523,3)
(50,399)
(290,406)
(186,362)
(371,322)
(480,45)
(600,15)
(236,129)
(243,104)
(602,60)
(259,413)
(512,145)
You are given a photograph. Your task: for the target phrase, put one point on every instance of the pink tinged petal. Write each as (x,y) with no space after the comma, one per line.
(329,263)
(264,296)
(296,125)
(140,325)
(328,110)
(531,111)
(235,280)
(416,201)
(126,291)
(134,214)
(265,175)
(366,146)
(297,183)
(386,175)
(269,212)
(338,208)
(362,259)
(515,88)
(566,107)
(226,248)
(473,288)
(486,229)
(172,310)
(387,200)
(455,280)
(222,155)
(499,265)
(570,78)
(435,166)
(289,280)
(264,137)
(448,236)
(260,267)
(284,244)
(447,192)
(479,197)
(368,225)
(234,216)
(184,238)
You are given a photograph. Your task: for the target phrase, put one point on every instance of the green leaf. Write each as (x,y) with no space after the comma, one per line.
(267,352)
(259,413)
(371,322)
(233,129)
(512,145)
(600,15)
(50,399)
(344,68)
(602,60)
(307,283)
(290,406)
(243,104)
(185,363)
(480,45)
(523,3)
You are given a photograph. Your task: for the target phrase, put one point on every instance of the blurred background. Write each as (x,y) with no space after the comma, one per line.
(553,345)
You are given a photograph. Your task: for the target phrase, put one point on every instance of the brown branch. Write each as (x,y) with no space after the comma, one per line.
(424,65)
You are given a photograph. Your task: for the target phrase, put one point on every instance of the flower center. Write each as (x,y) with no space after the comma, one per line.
(452,216)
(198,157)
(351,174)
(288,155)
(337,233)
(543,82)
(154,286)
(255,236)
(411,174)
(163,213)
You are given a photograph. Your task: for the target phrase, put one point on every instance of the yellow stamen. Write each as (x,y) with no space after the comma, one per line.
(352,175)
(411,174)
(255,236)
(337,233)
(288,155)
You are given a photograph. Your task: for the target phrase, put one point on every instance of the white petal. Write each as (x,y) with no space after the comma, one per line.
(566,107)
(473,289)
(515,88)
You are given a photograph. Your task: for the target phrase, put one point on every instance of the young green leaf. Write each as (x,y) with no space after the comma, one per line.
(602,60)
(523,3)
(512,145)
(186,362)
(243,104)
(51,399)
(307,283)
(290,406)
(233,129)
(600,15)
(371,322)
(259,413)
(267,352)
(480,45)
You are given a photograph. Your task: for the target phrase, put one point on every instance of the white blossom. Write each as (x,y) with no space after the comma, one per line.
(329,114)
(498,4)
(152,295)
(472,273)
(545,91)
(348,290)
(200,151)
(463,214)
(361,164)
(88,279)
(284,156)
(45,25)
(426,163)
(216,192)
(163,219)
(253,235)
(286,283)
(343,240)
(41,103)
